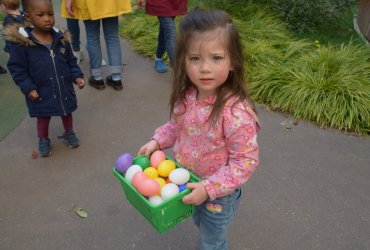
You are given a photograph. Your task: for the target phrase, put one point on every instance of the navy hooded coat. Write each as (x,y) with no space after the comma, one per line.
(50,72)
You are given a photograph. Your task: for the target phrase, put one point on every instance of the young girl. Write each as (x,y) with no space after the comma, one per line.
(213,127)
(43,66)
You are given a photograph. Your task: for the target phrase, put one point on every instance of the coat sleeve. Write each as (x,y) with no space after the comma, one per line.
(18,68)
(240,130)
(165,135)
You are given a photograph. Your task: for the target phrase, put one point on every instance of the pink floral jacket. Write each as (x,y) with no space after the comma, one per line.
(225,155)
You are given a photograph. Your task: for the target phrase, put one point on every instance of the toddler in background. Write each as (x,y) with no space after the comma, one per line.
(213,126)
(42,64)
(13,15)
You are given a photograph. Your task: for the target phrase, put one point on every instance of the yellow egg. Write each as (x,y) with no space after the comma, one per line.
(165,168)
(151,172)
(161,181)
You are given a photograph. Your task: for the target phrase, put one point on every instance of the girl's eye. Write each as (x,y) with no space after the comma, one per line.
(194,58)
(217,58)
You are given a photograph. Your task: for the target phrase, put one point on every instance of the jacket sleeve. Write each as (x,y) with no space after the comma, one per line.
(165,135)
(73,66)
(240,130)
(18,68)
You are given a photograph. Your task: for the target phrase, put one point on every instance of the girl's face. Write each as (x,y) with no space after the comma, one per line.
(207,63)
(40,13)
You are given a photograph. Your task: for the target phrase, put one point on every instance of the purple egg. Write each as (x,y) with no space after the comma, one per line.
(123,162)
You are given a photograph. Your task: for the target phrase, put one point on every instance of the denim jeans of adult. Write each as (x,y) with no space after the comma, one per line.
(112,41)
(166,37)
(212,219)
(74,28)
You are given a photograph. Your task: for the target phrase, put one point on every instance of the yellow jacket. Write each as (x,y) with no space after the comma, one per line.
(97,9)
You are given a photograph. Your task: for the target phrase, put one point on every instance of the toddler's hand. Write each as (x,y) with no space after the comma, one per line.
(148,148)
(80,83)
(33,95)
(198,194)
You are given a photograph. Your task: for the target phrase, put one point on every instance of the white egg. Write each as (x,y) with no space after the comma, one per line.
(131,171)
(179,176)
(169,190)
(155,200)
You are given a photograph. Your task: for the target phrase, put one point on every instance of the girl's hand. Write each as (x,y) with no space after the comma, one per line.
(140,3)
(80,83)
(148,148)
(198,194)
(33,95)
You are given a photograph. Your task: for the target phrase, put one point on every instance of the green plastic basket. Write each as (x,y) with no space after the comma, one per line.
(165,215)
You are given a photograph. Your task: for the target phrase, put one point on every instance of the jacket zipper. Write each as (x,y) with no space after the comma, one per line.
(52,55)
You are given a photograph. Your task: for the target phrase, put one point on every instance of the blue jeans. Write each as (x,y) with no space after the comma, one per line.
(112,41)
(166,37)
(74,28)
(212,219)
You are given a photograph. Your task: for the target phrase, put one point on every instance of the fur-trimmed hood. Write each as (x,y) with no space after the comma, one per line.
(22,35)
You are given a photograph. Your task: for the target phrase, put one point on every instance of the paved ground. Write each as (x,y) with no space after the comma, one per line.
(311,190)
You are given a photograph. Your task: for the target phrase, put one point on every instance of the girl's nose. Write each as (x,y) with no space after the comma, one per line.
(204,66)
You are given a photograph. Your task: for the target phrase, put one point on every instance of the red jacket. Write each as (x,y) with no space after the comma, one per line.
(166,7)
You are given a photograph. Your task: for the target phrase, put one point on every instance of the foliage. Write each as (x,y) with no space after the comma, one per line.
(305,15)
(326,84)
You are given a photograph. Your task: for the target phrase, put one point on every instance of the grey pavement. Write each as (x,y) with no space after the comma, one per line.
(311,190)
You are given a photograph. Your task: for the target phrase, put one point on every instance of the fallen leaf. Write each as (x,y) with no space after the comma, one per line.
(35,155)
(80,212)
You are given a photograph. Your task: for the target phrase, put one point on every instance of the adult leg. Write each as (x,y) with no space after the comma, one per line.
(93,47)
(74,29)
(112,40)
(159,64)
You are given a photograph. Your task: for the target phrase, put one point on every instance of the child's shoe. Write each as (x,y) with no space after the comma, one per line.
(160,66)
(2,70)
(70,139)
(44,147)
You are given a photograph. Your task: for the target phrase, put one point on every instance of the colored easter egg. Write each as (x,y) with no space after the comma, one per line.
(137,178)
(179,176)
(123,162)
(142,161)
(156,158)
(169,190)
(161,181)
(131,171)
(165,168)
(151,172)
(182,187)
(155,200)
(148,187)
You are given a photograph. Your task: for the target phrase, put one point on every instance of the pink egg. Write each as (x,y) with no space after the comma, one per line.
(123,162)
(138,177)
(144,185)
(156,158)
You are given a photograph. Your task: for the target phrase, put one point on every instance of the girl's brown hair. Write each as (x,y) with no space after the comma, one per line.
(11,4)
(196,22)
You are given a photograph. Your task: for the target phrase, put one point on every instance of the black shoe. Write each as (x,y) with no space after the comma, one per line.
(116,84)
(2,70)
(98,84)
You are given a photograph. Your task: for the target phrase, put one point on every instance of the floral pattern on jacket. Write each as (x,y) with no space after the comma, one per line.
(223,155)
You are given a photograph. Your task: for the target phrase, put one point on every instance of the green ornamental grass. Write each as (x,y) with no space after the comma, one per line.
(326,84)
